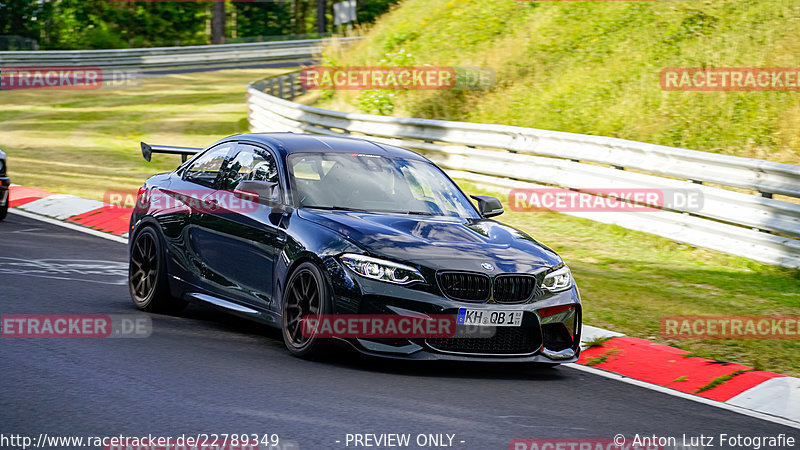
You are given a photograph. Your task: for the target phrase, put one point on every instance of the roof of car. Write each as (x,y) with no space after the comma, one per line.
(288,143)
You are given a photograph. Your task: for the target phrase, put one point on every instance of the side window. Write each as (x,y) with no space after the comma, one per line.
(250,164)
(205,170)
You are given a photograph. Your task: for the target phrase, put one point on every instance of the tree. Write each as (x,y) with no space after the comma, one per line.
(321,28)
(17,18)
(256,19)
(218,22)
(96,24)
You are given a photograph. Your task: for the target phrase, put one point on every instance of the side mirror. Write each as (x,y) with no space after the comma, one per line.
(264,192)
(488,206)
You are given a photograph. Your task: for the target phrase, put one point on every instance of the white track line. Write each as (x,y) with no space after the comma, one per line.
(70,225)
(588,369)
(674,393)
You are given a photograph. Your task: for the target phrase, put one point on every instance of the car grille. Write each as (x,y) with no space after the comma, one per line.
(465,286)
(521,340)
(513,288)
(477,287)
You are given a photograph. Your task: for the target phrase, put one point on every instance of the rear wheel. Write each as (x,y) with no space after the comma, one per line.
(147,275)
(306,294)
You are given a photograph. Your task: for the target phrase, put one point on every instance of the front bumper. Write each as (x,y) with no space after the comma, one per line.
(547,335)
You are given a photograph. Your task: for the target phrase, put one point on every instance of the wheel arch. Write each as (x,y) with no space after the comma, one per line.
(150,222)
(305,256)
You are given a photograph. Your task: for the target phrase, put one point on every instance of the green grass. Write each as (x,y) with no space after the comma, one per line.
(594,67)
(85,143)
(602,358)
(597,342)
(720,380)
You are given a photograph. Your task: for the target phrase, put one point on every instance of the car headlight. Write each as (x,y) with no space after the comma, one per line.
(382,270)
(558,280)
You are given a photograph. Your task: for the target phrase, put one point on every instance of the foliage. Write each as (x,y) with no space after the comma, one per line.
(97,24)
(594,68)
(382,101)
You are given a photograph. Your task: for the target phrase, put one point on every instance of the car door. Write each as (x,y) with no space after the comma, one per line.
(179,203)
(241,237)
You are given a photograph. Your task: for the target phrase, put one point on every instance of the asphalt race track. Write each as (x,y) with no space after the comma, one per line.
(205,372)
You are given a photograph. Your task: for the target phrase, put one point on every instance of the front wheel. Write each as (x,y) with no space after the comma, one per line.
(147,275)
(306,294)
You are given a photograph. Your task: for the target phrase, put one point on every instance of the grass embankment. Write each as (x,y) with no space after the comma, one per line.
(594,68)
(84,143)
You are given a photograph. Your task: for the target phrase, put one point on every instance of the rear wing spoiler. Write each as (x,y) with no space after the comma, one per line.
(185,152)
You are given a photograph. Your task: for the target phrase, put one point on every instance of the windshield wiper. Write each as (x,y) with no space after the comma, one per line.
(387,211)
(342,208)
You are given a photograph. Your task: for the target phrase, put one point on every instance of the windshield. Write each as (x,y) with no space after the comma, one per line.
(376,184)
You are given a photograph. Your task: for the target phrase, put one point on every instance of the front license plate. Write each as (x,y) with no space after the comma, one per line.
(489,317)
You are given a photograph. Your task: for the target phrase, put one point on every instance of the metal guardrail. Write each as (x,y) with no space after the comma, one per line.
(163,57)
(753,225)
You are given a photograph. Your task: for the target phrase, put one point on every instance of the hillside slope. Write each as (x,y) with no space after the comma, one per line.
(593,67)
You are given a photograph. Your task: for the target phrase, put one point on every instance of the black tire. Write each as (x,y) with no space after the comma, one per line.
(4,207)
(147,275)
(306,293)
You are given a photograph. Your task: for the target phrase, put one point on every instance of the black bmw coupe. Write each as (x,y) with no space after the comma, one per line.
(280,227)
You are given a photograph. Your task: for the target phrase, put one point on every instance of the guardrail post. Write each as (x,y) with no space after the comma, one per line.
(281,81)
(291,87)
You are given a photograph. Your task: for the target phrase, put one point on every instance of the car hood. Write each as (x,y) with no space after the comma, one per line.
(439,242)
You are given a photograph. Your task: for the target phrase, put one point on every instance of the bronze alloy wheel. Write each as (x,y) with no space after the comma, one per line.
(143,269)
(147,275)
(306,294)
